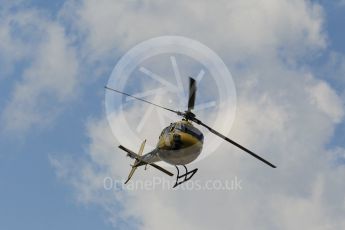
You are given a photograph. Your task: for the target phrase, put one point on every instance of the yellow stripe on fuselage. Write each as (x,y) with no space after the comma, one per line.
(167,141)
(188,140)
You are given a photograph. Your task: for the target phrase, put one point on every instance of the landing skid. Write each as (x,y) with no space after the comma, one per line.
(187,176)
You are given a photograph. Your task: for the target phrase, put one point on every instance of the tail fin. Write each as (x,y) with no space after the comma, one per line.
(140,153)
(136,161)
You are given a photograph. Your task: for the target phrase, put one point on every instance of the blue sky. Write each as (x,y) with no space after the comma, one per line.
(52,112)
(32,196)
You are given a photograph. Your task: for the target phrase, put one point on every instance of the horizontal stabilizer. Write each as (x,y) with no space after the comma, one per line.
(130,153)
(161,169)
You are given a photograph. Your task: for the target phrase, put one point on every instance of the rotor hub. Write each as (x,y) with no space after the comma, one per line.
(188,115)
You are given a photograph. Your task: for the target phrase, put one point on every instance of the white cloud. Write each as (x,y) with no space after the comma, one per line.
(260,26)
(285,114)
(327,101)
(50,78)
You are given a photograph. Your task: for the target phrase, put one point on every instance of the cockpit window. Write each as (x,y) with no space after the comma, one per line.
(190,129)
(194,131)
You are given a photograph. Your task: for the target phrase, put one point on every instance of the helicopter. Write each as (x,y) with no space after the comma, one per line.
(180,143)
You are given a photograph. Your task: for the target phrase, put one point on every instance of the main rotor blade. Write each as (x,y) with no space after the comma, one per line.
(192,92)
(140,99)
(233,142)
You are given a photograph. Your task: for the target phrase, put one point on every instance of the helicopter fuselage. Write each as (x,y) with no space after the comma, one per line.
(180,143)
